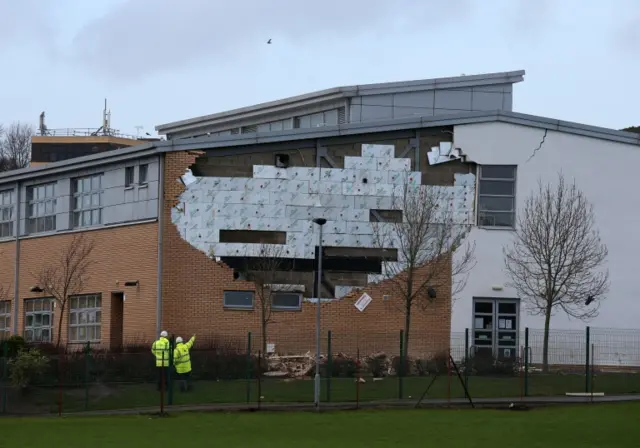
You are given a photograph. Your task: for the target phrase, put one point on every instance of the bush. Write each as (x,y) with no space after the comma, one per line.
(485,364)
(14,345)
(28,366)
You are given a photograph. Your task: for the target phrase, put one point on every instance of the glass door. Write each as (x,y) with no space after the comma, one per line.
(495,327)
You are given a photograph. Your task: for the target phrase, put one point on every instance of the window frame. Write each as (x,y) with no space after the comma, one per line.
(238,307)
(482,214)
(144,182)
(27,313)
(6,318)
(275,307)
(78,311)
(129,183)
(32,205)
(10,206)
(76,194)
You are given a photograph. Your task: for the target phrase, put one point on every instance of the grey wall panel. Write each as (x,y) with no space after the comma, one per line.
(377,100)
(399,111)
(487,100)
(355,113)
(423,99)
(370,113)
(453,99)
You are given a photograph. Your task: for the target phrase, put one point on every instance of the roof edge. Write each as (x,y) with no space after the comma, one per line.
(204,143)
(346,91)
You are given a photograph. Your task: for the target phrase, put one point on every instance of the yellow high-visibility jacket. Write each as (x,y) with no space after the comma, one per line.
(181,358)
(161,350)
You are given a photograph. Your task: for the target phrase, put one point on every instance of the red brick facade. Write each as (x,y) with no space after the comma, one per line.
(193,287)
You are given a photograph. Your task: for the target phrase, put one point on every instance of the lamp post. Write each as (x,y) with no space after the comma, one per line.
(316,390)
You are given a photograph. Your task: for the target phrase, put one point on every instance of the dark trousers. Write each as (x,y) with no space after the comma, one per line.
(163,377)
(185,381)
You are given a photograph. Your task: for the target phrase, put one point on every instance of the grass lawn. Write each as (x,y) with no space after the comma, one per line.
(599,425)
(101,397)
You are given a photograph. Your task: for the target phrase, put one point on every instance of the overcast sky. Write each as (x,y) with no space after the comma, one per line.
(164,60)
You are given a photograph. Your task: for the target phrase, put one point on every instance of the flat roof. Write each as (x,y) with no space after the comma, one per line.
(326,132)
(320,96)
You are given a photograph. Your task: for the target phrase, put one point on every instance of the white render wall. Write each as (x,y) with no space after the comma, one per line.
(287,199)
(606,171)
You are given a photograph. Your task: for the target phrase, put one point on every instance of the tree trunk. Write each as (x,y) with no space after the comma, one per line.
(407,316)
(59,338)
(264,319)
(545,343)
(264,337)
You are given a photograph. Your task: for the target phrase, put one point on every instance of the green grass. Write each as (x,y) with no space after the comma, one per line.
(599,425)
(105,397)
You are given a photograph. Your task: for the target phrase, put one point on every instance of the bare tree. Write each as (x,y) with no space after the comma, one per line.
(15,146)
(428,235)
(67,274)
(556,259)
(267,272)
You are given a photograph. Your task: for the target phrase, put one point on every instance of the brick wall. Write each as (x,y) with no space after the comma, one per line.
(121,254)
(193,287)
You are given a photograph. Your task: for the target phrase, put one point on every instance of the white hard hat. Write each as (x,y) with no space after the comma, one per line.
(178,340)
(164,334)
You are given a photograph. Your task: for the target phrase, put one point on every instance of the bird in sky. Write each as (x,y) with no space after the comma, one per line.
(269,41)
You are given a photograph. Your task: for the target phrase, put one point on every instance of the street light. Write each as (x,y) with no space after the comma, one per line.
(316,394)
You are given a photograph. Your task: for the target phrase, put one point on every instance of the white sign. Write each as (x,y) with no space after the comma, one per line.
(363,302)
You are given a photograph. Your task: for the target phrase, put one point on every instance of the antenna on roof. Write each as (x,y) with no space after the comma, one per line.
(42,127)
(105,129)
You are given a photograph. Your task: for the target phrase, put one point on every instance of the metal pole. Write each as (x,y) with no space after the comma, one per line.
(317,378)
(587,361)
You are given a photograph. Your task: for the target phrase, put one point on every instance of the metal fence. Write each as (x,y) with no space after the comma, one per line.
(354,369)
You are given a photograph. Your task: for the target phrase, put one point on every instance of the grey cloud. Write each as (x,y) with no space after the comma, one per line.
(25,21)
(145,37)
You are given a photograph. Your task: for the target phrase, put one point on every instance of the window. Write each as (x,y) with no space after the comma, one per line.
(41,212)
(496,196)
(6,214)
(128,177)
(238,299)
(5,319)
(143,170)
(38,324)
(85,317)
(87,201)
(286,300)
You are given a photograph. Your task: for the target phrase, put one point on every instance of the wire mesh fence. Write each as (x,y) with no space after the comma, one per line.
(383,367)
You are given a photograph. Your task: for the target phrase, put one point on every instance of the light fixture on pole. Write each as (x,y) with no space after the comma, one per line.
(316,395)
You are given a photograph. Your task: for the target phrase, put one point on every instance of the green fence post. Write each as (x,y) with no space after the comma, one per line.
(329,366)
(87,354)
(249,367)
(466,357)
(172,344)
(526,362)
(401,367)
(5,370)
(587,363)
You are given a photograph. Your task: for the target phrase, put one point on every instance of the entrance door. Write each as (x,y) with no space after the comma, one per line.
(495,326)
(117,318)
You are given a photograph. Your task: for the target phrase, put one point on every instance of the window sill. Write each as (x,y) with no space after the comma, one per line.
(130,187)
(237,308)
(511,229)
(280,310)
(144,185)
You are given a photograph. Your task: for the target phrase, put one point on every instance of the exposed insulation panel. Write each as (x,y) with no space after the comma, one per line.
(287,199)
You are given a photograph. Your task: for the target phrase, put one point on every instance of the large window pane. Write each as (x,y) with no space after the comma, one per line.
(498,172)
(497,187)
(492,203)
(238,299)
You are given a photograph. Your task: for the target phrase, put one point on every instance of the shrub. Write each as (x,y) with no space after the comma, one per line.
(14,344)
(28,366)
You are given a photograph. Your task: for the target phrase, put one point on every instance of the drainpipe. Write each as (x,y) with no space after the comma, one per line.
(160,237)
(16,280)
